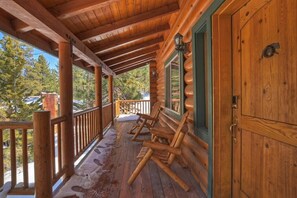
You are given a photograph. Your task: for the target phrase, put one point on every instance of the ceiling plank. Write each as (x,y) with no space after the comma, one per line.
(129,50)
(131,21)
(118,43)
(76,7)
(133,55)
(66,10)
(40,19)
(152,55)
(121,67)
(134,61)
(130,68)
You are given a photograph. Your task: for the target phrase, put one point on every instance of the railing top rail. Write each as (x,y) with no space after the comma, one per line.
(106,105)
(58,120)
(85,111)
(16,125)
(133,100)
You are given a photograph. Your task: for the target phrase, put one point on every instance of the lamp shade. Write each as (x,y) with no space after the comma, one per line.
(178,41)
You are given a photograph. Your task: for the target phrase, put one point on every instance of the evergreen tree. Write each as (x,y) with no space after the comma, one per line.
(15,58)
(41,77)
(131,85)
(83,88)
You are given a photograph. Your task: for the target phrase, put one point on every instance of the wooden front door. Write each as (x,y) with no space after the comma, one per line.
(264,37)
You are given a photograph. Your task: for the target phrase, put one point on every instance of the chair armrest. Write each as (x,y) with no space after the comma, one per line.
(161,147)
(160,132)
(147,117)
(141,114)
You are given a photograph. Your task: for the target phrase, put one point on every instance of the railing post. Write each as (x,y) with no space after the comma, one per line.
(66,103)
(118,103)
(110,95)
(98,97)
(42,154)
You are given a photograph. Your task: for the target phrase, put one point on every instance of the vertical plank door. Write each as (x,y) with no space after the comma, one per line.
(265,99)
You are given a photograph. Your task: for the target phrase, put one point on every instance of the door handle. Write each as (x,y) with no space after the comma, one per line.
(231,127)
(233,132)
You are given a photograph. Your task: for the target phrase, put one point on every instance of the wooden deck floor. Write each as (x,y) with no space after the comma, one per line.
(152,182)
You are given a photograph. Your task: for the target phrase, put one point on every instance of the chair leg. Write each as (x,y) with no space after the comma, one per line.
(133,128)
(138,131)
(169,172)
(140,166)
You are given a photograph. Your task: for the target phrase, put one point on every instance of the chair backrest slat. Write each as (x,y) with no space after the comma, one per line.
(178,137)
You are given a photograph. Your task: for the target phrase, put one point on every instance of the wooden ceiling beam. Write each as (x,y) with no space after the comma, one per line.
(129,50)
(76,7)
(133,59)
(43,21)
(66,10)
(118,43)
(131,21)
(121,67)
(129,69)
(133,56)
(137,60)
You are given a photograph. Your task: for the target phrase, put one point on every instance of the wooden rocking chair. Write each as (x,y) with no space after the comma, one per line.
(163,155)
(145,121)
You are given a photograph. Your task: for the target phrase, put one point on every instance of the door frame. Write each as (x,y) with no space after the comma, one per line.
(222,96)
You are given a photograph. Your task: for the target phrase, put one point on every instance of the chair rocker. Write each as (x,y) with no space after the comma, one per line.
(163,155)
(145,121)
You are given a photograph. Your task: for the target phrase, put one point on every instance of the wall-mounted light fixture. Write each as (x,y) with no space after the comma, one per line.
(154,73)
(179,44)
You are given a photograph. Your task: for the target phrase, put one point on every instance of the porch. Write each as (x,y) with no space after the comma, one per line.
(114,170)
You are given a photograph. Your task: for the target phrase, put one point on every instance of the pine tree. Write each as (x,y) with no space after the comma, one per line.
(15,58)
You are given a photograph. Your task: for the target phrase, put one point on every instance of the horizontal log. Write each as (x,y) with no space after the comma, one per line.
(195,166)
(189,104)
(188,64)
(189,78)
(203,144)
(200,153)
(189,91)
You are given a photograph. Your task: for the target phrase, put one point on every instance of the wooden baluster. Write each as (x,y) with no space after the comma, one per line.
(80,134)
(59,147)
(85,130)
(42,165)
(52,136)
(76,136)
(25,158)
(1,159)
(13,158)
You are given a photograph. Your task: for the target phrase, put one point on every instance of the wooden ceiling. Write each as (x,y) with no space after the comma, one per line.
(119,35)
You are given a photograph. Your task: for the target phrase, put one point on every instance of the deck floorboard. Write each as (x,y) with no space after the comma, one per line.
(152,181)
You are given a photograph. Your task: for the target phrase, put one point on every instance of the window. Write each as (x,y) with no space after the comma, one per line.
(174,84)
(202,78)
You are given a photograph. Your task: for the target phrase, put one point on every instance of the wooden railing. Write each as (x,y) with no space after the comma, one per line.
(58,169)
(18,135)
(107,115)
(132,107)
(86,129)
(14,136)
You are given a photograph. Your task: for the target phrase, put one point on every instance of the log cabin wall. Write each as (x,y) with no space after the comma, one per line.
(153,82)
(194,149)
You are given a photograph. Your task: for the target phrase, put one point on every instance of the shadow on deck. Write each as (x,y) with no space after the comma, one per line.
(118,166)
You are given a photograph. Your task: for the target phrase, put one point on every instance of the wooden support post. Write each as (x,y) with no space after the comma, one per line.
(66,104)
(110,96)
(98,97)
(153,83)
(42,156)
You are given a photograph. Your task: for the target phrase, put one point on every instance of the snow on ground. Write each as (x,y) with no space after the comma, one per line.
(127,117)
(88,173)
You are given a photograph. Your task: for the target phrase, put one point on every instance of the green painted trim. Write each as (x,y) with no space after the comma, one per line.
(204,25)
(182,85)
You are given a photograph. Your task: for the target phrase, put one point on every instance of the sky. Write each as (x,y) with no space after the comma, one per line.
(53,61)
